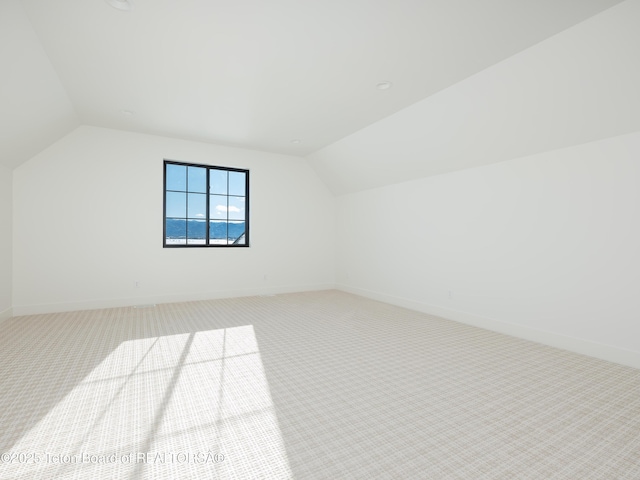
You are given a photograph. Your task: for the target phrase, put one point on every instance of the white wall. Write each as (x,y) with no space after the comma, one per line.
(88,224)
(5,243)
(544,247)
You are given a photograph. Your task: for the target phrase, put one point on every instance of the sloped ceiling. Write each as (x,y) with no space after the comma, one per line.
(581,85)
(260,74)
(35,110)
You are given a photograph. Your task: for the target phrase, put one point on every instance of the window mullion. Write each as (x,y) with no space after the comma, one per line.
(206,213)
(186,213)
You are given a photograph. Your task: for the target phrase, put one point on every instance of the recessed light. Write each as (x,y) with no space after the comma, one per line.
(121,4)
(384,85)
(295,140)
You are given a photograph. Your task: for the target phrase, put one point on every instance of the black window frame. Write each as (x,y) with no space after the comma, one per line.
(208,197)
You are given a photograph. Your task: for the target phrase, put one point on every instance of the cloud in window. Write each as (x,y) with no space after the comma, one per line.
(223,208)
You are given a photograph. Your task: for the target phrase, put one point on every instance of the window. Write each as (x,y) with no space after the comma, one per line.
(205,206)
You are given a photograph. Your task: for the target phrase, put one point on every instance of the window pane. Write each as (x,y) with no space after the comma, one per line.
(237,183)
(197,205)
(176,177)
(218,233)
(196,231)
(217,207)
(235,232)
(176,204)
(197,179)
(176,231)
(236,208)
(241,240)
(218,181)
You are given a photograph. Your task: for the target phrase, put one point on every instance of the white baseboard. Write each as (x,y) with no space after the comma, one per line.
(19,310)
(6,314)
(602,351)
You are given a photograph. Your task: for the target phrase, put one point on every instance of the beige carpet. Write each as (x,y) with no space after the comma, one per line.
(321,385)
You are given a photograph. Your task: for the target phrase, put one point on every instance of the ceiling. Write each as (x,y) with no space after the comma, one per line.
(579,86)
(259,74)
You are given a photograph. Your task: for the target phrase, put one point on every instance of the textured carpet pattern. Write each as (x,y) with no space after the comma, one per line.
(321,385)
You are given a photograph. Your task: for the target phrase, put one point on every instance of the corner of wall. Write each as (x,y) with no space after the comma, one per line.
(6,314)
(6,243)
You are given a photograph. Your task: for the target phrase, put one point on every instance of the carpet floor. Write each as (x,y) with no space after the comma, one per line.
(317,385)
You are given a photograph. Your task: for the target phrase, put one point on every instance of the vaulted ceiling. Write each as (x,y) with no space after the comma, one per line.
(472,81)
